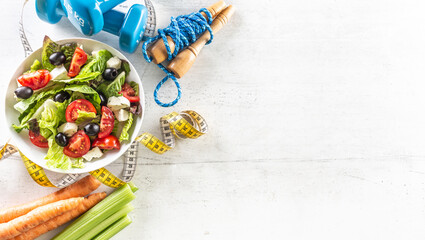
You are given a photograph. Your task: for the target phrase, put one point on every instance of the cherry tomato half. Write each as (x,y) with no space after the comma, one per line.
(38,140)
(128,92)
(35,80)
(109,142)
(106,122)
(79,145)
(78,59)
(71,112)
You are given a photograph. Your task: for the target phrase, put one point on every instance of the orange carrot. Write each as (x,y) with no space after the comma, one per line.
(55,222)
(37,216)
(79,189)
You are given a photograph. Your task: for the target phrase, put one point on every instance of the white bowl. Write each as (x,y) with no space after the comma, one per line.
(37,154)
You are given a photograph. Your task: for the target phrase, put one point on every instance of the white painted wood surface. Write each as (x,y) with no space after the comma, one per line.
(317,127)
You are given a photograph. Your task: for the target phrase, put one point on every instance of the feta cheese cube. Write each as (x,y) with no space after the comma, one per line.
(94,153)
(68,129)
(59,73)
(117,103)
(121,115)
(114,62)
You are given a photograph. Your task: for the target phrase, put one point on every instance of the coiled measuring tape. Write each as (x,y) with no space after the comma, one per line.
(187,124)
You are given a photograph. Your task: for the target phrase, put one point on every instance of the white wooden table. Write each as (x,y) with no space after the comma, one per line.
(317,125)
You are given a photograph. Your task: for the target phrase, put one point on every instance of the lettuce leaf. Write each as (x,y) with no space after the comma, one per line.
(84,116)
(98,64)
(112,89)
(125,66)
(68,49)
(61,110)
(36,65)
(124,132)
(27,104)
(21,127)
(49,118)
(86,77)
(49,47)
(135,87)
(89,94)
(55,157)
(77,162)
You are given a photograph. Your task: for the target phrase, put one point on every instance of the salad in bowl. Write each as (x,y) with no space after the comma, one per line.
(75,105)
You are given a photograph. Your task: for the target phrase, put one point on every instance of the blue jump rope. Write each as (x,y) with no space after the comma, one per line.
(183,30)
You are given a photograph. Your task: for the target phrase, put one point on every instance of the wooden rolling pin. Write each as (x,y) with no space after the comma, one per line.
(158,52)
(185,59)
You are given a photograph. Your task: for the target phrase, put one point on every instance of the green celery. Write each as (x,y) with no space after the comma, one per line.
(133,186)
(114,229)
(98,213)
(107,222)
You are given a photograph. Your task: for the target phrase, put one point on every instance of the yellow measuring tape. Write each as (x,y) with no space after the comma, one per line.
(187,124)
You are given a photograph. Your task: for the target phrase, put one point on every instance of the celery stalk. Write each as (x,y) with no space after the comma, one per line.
(107,222)
(114,228)
(97,214)
(133,187)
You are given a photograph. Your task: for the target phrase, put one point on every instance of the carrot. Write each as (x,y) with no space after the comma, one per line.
(78,189)
(37,216)
(55,222)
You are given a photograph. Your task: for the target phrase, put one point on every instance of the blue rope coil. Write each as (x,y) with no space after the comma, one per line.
(183,30)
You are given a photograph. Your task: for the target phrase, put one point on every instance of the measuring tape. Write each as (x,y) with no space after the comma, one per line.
(187,124)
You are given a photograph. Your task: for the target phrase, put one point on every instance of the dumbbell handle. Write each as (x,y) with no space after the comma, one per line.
(185,59)
(106,5)
(158,51)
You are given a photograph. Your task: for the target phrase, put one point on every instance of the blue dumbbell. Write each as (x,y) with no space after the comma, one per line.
(92,16)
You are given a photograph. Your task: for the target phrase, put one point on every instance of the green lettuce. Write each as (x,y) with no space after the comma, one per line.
(55,157)
(49,118)
(124,132)
(68,50)
(89,94)
(21,127)
(36,65)
(49,47)
(61,108)
(112,89)
(77,162)
(98,64)
(125,66)
(84,116)
(135,87)
(30,102)
(86,77)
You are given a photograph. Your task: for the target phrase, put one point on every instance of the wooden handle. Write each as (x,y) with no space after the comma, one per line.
(158,52)
(185,59)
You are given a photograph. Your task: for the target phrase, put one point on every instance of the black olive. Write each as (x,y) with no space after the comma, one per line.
(57,58)
(103,100)
(110,74)
(61,139)
(91,129)
(23,92)
(62,96)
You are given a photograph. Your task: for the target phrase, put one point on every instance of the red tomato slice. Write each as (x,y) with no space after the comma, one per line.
(71,112)
(79,144)
(38,140)
(109,142)
(35,80)
(106,122)
(128,92)
(78,59)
